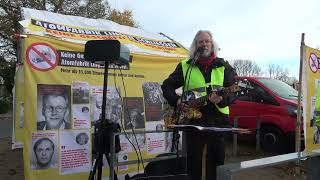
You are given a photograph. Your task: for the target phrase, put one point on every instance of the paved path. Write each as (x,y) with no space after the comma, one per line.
(5,125)
(5,128)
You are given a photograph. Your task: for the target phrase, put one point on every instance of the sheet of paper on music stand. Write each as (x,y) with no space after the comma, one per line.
(201,128)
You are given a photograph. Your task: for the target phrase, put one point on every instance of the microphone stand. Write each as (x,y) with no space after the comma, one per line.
(176,135)
(104,139)
(188,73)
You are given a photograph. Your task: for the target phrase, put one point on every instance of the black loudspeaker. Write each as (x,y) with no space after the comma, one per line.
(164,177)
(166,167)
(101,51)
(169,169)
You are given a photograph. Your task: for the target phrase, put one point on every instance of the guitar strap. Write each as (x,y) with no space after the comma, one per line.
(200,89)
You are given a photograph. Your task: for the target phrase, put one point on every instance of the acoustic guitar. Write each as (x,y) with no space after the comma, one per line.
(195,101)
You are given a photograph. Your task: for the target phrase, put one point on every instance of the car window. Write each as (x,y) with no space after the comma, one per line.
(280,88)
(260,95)
(245,94)
(256,94)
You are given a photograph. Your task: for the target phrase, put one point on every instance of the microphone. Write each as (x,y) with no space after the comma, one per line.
(200,49)
(197,55)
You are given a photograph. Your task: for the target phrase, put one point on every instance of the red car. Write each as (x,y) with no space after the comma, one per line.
(275,103)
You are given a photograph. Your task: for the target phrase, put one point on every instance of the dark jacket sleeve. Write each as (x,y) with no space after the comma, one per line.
(174,81)
(229,79)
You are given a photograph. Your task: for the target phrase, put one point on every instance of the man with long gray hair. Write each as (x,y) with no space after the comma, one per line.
(203,71)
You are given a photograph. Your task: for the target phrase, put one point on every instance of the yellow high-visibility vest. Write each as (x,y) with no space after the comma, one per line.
(197,80)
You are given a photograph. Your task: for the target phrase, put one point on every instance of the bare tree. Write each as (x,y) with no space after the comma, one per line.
(277,72)
(270,70)
(246,67)
(250,68)
(10,16)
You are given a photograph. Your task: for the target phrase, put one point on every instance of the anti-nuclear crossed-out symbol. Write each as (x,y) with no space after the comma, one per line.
(314,62)
(42,56)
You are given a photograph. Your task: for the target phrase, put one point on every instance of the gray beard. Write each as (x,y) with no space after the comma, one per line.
(205,54)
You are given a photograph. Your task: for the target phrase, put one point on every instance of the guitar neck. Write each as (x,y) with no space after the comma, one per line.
(199,101)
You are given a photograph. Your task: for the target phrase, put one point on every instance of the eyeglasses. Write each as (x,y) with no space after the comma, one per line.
(59,109)
(205,41)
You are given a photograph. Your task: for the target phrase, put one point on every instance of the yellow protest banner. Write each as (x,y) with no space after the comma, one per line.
(311,97)
(59,94)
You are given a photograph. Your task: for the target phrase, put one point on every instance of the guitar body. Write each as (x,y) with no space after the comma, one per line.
(185,117)
(195,102)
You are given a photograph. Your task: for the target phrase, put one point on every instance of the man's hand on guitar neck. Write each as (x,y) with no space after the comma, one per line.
(214,98)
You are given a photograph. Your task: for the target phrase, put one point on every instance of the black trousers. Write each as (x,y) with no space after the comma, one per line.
(196,141)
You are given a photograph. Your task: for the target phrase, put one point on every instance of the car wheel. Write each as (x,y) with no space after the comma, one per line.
(271,138)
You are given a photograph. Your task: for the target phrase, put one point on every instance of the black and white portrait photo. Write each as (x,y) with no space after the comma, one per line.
(85,109)
(113,104)
(53,107)
(152,93)
(44,152)
(133,113)
(153,101)
(82,138)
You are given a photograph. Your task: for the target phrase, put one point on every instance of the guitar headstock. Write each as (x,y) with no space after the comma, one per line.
(245,84)
(234,88)
(238,87)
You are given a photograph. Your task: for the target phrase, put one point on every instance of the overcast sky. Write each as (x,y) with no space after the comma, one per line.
(265,31)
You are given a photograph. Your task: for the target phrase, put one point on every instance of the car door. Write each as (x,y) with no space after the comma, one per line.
(244,108)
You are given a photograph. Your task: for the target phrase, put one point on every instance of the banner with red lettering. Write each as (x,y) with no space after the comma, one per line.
(60,97)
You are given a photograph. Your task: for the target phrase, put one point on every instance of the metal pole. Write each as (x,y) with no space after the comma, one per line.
(298,122)
(258,134)
(235,137)
(112,156)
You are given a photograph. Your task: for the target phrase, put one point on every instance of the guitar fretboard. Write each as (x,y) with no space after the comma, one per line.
(221,91)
